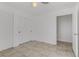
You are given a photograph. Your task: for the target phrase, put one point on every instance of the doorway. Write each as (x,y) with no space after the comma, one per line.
(64,32)
(64,28)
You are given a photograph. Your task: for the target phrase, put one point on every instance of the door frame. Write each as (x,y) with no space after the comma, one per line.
(57,24)
(73,18)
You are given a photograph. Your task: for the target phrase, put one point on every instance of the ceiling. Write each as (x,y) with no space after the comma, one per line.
(27,8)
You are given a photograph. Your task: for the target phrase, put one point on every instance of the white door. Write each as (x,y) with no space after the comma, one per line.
(75,32)
(78,30)
(78,34)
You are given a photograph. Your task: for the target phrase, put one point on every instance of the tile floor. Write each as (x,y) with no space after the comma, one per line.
(39,49)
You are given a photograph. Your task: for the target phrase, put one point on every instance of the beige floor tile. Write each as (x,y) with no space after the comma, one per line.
(39,49)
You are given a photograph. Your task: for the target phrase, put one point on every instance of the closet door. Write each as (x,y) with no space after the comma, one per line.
(6,30)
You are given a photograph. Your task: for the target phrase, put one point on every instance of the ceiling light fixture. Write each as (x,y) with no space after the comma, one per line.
(34,4)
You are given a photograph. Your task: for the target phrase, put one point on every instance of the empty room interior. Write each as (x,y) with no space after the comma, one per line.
(39,29)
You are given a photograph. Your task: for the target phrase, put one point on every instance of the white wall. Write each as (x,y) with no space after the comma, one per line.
(24,26)
(64,28)
(6,30)
(11,22)
(44,28)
